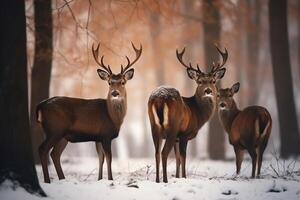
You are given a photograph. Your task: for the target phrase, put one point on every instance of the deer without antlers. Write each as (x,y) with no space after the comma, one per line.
(78,120)
(177,119)
(248,129)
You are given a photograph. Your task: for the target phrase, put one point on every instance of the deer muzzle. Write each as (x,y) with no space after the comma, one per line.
(222,105)
(115,93)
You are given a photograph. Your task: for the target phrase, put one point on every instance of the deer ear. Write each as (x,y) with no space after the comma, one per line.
(103,74)
(220,73)
(192,74)
(129,74)
(235,88)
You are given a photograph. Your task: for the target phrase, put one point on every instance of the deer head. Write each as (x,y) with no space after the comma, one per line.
(225,97)
(206,81)
(116,82)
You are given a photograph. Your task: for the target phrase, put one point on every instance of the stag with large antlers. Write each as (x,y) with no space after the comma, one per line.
(66,119)
(178,119)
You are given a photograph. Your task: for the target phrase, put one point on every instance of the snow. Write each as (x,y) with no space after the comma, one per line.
(134,179)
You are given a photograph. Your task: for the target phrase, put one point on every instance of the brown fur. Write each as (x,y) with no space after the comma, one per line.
(248,129)
(66,119)
(186,115)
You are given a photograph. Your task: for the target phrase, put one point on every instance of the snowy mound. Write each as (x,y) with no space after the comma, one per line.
(165,92)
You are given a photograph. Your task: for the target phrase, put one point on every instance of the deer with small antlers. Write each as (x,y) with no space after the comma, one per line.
(66,119)
(178,119)
(248,129)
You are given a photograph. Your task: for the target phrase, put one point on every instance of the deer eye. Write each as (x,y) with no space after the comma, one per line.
(214,81)
(123,82)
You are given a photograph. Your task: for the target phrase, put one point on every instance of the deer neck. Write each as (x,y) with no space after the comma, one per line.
(227,116)
(117,109)
(206,106)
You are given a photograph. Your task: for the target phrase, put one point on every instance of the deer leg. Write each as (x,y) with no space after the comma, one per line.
(182,149)
(261,150)
(238,158)
(107,151)
(170,141)
(177,155)
(100,152)
(44,149)
(55,155)
(253,155)
(157,144)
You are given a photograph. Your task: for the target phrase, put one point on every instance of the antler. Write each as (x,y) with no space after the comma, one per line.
(219,65)
(179,57)
(101,64)
(138,53)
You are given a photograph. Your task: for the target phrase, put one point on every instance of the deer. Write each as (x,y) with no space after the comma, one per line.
(248,129)
(177,119)
(66,119)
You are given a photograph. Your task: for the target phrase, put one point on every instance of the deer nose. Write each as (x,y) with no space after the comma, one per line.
(208,91)
(115,93)
(222,105)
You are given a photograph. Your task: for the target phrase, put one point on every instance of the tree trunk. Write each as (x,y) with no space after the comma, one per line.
(188,55)
(155,33)
(289,131)
(212,26)
(15,145)
(298,2)
(41,71)
(240,53)
(252,34)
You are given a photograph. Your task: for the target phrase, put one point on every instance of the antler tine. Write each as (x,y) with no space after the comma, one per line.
(103,65)
(224,56)
(96,54)
(138,53)
(179,57)
(219,65)
(198,68)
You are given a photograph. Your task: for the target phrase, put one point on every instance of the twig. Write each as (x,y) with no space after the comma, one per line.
(89,174)
(274,170)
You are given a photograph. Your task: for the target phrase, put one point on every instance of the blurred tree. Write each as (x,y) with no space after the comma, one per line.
(188,8)
(240,53)
(289,130)
(298,8)
(155,30)
(15,145)
(41,71)
(212,28)
(253,9)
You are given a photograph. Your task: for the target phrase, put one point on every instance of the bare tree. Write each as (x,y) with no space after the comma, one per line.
(188,87)
(15,145)
(253,8)
(155,29)
(212,29)
(289,130)
(41,71)
(298,8)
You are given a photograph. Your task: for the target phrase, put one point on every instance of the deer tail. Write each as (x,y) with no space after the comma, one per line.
(38,111)
(161,115)
(262,135)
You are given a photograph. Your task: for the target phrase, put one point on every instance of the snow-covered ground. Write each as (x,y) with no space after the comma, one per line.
(134,179)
